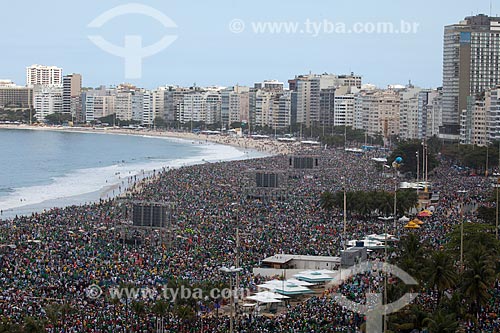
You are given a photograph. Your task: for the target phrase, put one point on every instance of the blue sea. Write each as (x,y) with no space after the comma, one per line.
(41,169)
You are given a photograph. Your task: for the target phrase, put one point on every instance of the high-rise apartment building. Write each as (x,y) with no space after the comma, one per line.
(409,113)
(235,104)
(43,75)
(471,58)
(473,122)
(72,90)
(311,108)
(493,113)
(98,103)
(344,105)
(429,112)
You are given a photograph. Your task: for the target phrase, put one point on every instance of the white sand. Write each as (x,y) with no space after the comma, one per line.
(269,146)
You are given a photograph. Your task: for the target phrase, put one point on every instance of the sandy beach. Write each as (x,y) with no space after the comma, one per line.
(268,146)
(250,147)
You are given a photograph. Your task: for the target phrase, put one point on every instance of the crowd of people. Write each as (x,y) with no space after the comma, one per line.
(55,256)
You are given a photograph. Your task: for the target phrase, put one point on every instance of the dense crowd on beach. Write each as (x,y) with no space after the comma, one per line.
(54,257)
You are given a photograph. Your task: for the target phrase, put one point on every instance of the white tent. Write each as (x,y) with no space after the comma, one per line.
(249,305)
(262,299)
(270,294)
(404,219)
(300,283)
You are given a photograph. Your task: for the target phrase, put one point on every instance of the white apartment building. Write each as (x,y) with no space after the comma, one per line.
(263,107)
(312,109)
(123,105)
(435,113)
(429,113)
(47,100)
(344,106)
(409,113)
(493,113)
(235,104)
(43,75)
(380,112)
(212,107)
(308,99)
(200,106)
(98,103)
(473,123)
(282,110)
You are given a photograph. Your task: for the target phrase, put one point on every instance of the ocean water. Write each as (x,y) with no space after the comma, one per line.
(41,169)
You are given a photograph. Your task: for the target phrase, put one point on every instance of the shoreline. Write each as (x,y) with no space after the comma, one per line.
(109,191)
(268,146)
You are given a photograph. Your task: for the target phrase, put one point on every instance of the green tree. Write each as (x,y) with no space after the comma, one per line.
(406,200)
(109,119)
(474,235)
(411,257)
(440,322)
(408,151)
(139,309)
(441,273)
(6,326)
(33,325)
(57,118)
(327,201)
(478,278)
(65,309)
(160,309)
(184,312)
(53,313)
(159,122)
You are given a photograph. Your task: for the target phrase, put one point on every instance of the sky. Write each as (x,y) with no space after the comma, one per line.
(219,42)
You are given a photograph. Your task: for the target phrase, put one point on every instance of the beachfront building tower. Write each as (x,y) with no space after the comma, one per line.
(471,57)
(43,75)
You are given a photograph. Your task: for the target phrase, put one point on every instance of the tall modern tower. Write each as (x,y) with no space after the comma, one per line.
(471,59)
(72,89)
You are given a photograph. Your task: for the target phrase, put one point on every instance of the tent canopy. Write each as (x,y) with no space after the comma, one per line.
(262,299)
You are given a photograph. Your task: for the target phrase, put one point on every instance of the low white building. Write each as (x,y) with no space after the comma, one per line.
(47,99)
(302,262)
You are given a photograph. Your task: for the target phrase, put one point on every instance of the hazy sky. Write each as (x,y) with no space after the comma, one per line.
(209,53)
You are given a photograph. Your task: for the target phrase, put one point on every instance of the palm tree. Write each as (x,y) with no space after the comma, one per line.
(360,202)
(53,312)
(478,278)
(139,309)
(327,201)
(441,273)
(184,312)
(407,199)
(382,202)
(409,318)
(32,325)
(65,310)
(160,309)
(6,326)
(116,304)
(411,255)
(125,293)
(441,323)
